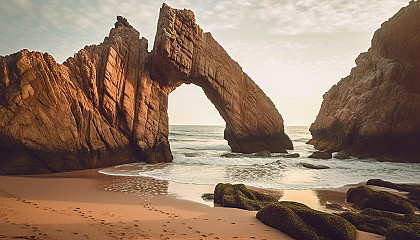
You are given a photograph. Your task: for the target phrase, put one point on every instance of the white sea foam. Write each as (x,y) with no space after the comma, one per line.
(202,156)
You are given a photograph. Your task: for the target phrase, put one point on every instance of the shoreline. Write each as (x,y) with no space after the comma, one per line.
(74,205)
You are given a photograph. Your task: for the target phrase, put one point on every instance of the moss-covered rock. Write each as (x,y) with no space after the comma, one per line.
(239,196)
(404,218)
(378,225)
(406,232)
(358,194)
(412,189)
(364,197)
(392,225)
(301,222)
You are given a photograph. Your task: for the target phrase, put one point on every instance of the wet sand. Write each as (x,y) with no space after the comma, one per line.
(76,206)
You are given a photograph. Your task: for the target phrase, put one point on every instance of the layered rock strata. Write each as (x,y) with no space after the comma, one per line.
(107,105)
(182,53)
(375,111)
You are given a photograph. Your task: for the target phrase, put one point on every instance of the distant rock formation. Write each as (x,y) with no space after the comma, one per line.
(107,105)
(375,111)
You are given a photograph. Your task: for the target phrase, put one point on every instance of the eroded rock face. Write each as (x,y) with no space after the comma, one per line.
(97,109)
(374,112)
(184,54)
(107,105)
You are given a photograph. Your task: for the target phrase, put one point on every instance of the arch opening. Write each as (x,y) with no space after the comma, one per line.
(184,54)
(196,129)
(188,105)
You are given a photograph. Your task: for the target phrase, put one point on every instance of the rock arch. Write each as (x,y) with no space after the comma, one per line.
(107,105)
(182,53)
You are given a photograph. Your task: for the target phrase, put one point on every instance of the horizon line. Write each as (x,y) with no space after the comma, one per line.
(187,124)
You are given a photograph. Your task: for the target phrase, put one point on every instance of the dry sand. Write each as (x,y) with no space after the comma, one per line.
(75,206)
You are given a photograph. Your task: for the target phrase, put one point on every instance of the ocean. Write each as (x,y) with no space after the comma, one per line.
(203,157)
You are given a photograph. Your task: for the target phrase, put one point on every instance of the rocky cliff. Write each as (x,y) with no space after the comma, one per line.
(107,105)
(375,111)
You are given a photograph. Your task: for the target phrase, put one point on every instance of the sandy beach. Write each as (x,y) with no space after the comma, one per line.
(75,206)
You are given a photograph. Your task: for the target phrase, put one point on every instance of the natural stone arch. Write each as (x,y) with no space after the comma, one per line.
(108,104)
(182,53)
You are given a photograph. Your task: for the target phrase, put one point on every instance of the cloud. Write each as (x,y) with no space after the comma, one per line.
(309,16)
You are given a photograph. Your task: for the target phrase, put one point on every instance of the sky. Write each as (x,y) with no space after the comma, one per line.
(295,50)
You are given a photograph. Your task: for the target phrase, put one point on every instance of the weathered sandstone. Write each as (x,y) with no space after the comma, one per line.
(107,105)
(375,111)
(182,53)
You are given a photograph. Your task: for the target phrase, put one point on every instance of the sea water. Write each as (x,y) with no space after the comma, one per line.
(203,157)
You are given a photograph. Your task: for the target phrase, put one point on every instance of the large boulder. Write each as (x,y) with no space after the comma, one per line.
(301,222)
(364,197)
(108,104)
(374,112)
(238,196)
